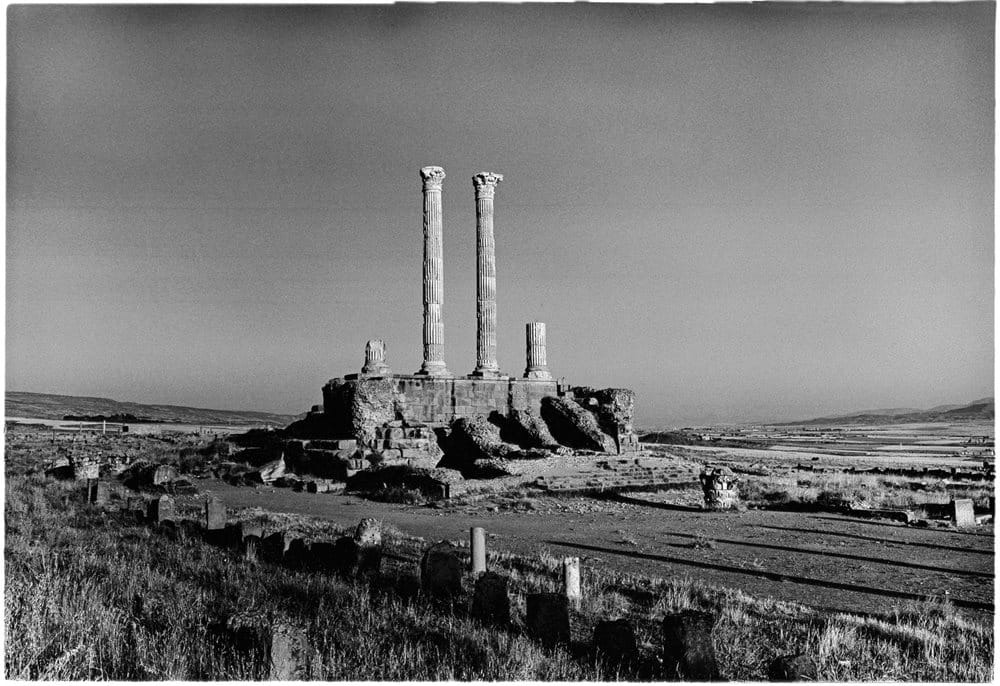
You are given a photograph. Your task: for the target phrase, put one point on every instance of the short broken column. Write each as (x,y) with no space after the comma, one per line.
(547,618)
(433,364)
(477,536)
(485,184)
(688,651)
(962,513)
(571,580)
(537,367)
(375,364)
(490,602)
(719,484)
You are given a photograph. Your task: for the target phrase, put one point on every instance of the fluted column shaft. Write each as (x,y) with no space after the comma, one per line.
(486,276)
(535,340)
(433,364)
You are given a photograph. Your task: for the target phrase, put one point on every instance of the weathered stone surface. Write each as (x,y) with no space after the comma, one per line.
(536,367)
(272,471)
(547,618)
(719,485)
(163,474)
(571,580)
(573,425)
(441,571)
(369,532)
(614,642)
(97,492)
(475,438)
(375,364)
(371,406)
(490,602)
(162,510)
(215,514)
(491,469)
(793,668)
(962,512)
(688,651)
(291,657)
(528,429)
(477,546)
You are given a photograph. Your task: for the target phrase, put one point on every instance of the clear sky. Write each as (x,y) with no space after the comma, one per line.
(741,212)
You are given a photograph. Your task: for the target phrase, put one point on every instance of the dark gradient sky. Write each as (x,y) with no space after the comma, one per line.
(742,212)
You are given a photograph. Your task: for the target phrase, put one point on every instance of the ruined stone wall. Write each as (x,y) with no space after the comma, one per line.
(427,400)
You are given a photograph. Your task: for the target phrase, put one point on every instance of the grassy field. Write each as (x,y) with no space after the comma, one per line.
(74,572)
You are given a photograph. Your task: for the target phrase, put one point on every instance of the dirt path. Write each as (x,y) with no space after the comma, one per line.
(819,559)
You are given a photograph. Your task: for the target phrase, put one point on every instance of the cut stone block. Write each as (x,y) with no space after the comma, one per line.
(441,571)
(215,514)
(688,651)
(490,602)
(962,512)
(614,642)
(547,618)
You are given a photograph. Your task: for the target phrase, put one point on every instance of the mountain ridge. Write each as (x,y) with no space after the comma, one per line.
(980,409)
(57,406)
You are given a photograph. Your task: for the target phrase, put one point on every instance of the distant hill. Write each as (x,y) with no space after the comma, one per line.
(981,409)
(50,406)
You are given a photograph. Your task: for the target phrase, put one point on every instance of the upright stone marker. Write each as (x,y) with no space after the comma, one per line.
(274,546)
(571,580)
(433,364)
(441,571)
(688,652)
(290,658)
(614,642)
(477,534)
(251,548)
(547,618)
(162,510)
(962,512)
(537,366)
(215,514)
(485,184)
(490,602)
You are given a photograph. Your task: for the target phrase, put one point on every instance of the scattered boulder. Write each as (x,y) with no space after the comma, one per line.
(527,429)
(369,532)
(573,425)
(473,439)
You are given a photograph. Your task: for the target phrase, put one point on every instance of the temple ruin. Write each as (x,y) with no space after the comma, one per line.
(434,417)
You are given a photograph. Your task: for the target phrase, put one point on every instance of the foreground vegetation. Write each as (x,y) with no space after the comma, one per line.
(92,595)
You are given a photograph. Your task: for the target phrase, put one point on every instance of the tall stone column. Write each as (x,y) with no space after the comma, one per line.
(535,337)
(433,364)
(485,184)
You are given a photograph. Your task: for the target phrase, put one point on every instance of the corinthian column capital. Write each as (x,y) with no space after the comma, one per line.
(485,183)
(433,178)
